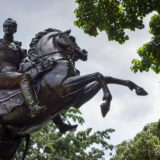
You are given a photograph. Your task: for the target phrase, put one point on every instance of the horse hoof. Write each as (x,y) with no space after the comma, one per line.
(105,108)
(141,92)
(67,127)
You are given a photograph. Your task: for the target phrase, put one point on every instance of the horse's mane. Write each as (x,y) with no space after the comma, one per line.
(38,36)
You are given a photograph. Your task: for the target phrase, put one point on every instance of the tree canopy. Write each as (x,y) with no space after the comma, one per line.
(49,143)
(150,52)
(115,17)
(144,146)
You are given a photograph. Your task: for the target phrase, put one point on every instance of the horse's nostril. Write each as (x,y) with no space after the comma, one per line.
(84,51)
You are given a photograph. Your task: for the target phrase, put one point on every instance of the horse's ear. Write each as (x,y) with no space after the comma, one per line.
(67,32)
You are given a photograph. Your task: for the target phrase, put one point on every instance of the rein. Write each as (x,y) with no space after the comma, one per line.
(48,54)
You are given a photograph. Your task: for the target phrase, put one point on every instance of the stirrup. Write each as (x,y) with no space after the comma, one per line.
(36,109)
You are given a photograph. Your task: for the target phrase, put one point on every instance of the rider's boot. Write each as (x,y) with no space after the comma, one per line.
(29,96)
(62,126)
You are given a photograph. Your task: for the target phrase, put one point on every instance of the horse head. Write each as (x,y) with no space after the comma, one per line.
(66,42)
(77,52)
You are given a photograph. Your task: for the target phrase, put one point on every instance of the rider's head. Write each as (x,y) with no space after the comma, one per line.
(9,26)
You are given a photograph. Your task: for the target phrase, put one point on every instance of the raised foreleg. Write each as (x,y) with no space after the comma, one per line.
(131,85)
(90,90)
(73,84)
(87,93)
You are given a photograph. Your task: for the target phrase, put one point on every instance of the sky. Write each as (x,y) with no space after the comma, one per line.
(129,112)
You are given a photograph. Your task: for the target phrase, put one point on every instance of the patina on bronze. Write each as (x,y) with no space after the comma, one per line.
(50,66)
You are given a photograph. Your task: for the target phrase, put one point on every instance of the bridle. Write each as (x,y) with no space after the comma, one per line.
(71,46)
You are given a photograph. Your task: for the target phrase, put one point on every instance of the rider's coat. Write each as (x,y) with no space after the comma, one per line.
(10,55)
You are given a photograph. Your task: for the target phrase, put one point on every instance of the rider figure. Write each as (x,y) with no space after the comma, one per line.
(11,55)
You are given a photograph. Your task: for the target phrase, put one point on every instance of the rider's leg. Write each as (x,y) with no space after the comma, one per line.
(11,80)
(29,95)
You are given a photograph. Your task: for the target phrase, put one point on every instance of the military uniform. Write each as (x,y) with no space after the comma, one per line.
(11,55)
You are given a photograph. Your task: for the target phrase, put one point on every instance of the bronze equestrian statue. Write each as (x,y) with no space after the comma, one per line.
(39,85)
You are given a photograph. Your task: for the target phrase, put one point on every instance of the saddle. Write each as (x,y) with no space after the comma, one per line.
(10,99)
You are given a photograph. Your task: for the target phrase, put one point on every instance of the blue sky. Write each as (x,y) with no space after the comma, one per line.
(128,113)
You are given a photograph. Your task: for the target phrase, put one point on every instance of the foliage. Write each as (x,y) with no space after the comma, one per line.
(113,16)
(150,52)
(49,143)
(144,146)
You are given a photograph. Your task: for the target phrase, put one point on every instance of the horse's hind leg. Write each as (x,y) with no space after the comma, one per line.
(8,148)
(63,127)
(8,145)
(2,132)
(73,84)
(131,85)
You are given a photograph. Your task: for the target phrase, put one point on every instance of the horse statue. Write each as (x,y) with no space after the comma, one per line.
(58,84)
